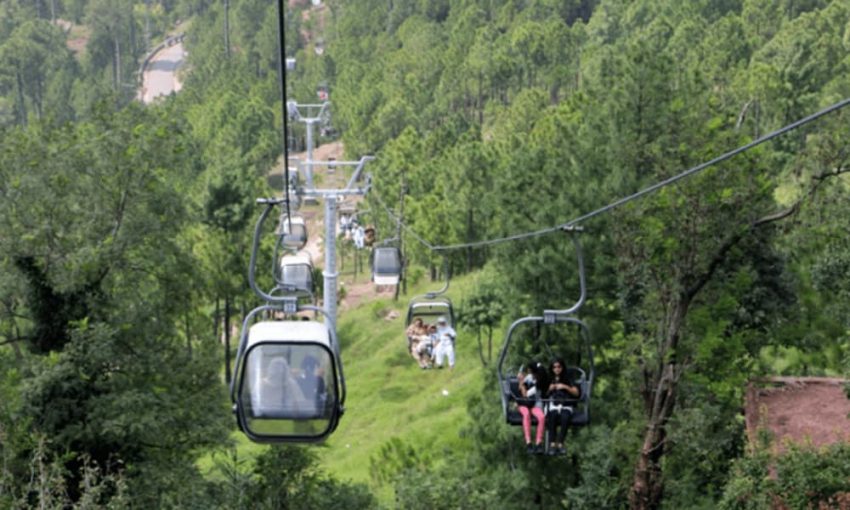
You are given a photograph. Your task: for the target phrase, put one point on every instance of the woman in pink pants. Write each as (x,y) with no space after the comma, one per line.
(531,385)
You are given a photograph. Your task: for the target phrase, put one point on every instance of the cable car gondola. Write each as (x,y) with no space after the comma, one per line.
(293,232)
(288,385)
(557,333)
(295,276)
(386,265)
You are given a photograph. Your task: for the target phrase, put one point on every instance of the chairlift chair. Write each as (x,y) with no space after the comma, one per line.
(430,308)
(557,333)
(569,338)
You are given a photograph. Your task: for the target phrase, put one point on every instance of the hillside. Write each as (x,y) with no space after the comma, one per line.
(390,397)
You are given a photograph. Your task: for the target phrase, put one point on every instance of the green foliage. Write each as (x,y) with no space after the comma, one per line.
(804,478)
(484,309)
(280,477)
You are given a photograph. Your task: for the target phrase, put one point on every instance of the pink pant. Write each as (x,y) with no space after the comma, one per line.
(526,422)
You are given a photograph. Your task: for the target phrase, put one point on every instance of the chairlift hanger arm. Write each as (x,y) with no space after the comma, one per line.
(252,265)
(447,271)
(553,315)
(355,177)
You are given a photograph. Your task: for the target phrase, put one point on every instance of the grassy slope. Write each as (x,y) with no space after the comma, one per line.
(390,396)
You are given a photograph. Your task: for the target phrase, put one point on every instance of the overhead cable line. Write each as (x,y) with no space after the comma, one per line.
(281,66)
(617,203)
(405,226)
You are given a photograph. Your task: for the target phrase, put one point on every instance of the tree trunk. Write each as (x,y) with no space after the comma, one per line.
(36,98)
(227,29)
(648,483)
(22,105)
(116,63)
(480,103)
(216,319)
(227,339)
(132,30)
(660,400)
(188,330)
(470,231)
(147,24)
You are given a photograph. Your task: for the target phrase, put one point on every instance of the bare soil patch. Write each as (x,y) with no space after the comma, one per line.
(77,36)
(800,410)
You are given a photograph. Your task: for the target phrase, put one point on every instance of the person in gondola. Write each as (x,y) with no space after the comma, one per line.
(562,393)
(532,384)
(312,386)
(281,393)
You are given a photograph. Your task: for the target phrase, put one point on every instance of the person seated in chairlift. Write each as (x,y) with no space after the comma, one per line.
(418,342)
(423,347)
(345,224)
(445,343)
(562,392)
(416,328)
(425,351)
(359,237)
(369,235)
(532,384)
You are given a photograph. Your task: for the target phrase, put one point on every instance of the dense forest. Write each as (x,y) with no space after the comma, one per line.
(125,233)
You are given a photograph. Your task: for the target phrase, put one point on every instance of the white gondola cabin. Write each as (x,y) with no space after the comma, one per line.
(293,232)
(386,265)
(296,274)
(288,388)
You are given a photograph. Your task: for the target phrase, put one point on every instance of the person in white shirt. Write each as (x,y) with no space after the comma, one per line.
(359,237)
(445,343)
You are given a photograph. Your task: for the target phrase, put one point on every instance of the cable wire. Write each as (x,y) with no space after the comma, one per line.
(281,27)
(617,203)
(398,221)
